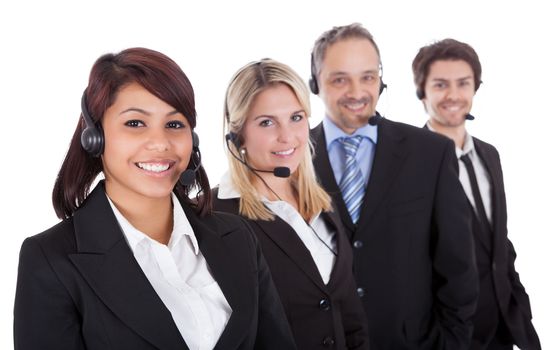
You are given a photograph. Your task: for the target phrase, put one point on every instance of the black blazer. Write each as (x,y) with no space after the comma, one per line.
(80,287)
(501,292)
(413,246)
(321,316)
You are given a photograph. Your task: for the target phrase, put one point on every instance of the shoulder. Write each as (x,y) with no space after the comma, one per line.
(420,135)
(484,146)
(58,239)
(227,205)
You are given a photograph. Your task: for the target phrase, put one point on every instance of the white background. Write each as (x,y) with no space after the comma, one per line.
(48,47)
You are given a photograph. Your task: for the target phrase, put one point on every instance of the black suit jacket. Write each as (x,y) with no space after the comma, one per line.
(318,314)
(80,287)
(501,292)
(413,246)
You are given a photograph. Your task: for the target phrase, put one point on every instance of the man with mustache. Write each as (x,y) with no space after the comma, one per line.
(398,194)
(447,75)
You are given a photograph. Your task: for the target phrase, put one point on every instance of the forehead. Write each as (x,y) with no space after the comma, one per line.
(349,55)
(450,69)
(277,98)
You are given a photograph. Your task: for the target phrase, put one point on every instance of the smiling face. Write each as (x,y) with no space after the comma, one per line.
(349,83)
(275,132)
(449,91)
(147,146)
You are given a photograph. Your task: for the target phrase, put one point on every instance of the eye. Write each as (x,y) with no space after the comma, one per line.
(369,78)
(134,123)
(464,83)
(265,122)
(297,117)
(175,124)
(339,81)
(440,85)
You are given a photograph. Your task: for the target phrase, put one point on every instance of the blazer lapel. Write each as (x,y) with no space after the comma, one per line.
(231,271)
(283,235)
(495,179)
(343,253)
(325,173)
(106,262)
(389,155)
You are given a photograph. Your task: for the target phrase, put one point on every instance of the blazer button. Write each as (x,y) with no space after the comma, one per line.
(358,244)
(494,266)
(325,305)
(361,292)
(328,342)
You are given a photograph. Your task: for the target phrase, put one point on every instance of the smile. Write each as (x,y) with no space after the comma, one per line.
(285,153)
(154,167)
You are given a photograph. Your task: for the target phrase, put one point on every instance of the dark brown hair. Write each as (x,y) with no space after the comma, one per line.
(447,49)
(163,78)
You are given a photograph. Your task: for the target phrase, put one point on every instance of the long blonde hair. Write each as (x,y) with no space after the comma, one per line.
(244,86)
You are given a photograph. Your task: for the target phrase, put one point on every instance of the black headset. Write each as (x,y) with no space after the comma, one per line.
(313,82)
(92,138)
(93,142)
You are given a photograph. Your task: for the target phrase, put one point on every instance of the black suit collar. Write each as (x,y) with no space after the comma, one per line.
(108,265)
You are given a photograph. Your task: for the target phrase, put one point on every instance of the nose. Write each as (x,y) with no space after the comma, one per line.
(452,92)
(285,132)
(355,89)
(157,140)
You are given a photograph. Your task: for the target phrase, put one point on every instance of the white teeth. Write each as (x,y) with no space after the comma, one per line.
(354,105)
(154,167)
(452,108)
(285,153)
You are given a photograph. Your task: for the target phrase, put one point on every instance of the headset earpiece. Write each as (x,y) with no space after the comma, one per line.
(313,82)
(195,142)
(235,139)
(382,87)
(92,138)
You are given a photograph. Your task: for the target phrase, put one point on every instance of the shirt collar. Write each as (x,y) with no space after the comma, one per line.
(181,226)
(333,132)
(467,147)
(227,190)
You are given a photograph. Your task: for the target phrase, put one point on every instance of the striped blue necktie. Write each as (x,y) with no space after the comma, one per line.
(352,184)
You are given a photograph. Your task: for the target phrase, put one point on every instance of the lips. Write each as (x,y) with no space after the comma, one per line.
(285,152)
(355,105)
(155,167)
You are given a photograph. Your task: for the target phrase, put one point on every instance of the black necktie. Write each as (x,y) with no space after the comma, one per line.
(480,209)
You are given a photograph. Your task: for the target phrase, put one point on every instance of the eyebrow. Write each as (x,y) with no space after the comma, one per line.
(332,74)
(142,111)
(458,79)
(275,117)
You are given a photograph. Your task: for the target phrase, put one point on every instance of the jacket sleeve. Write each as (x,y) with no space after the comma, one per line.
(455,277)
(45,316)
(273,331)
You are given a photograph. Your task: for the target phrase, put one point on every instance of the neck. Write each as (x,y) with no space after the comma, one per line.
(279,187)
(455,133)
(152,216)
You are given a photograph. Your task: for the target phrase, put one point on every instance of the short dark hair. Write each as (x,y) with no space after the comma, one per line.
(334,35)
(160,76)
(447,49)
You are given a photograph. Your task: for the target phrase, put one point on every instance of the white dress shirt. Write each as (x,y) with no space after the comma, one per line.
(322,255)
(481,174)
(180,276)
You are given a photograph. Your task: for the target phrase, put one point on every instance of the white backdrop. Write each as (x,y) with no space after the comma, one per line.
(48,47)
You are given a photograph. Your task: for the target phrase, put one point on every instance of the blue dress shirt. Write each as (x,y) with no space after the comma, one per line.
(336,153)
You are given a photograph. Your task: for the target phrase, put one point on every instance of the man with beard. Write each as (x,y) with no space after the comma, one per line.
(397,191)
(447,75)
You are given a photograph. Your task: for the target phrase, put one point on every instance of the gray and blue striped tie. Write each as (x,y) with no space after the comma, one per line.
(352,182)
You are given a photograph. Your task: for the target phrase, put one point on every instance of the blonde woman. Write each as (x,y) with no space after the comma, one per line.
(271,183)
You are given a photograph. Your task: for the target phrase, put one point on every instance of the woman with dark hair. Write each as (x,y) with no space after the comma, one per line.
(136,264)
